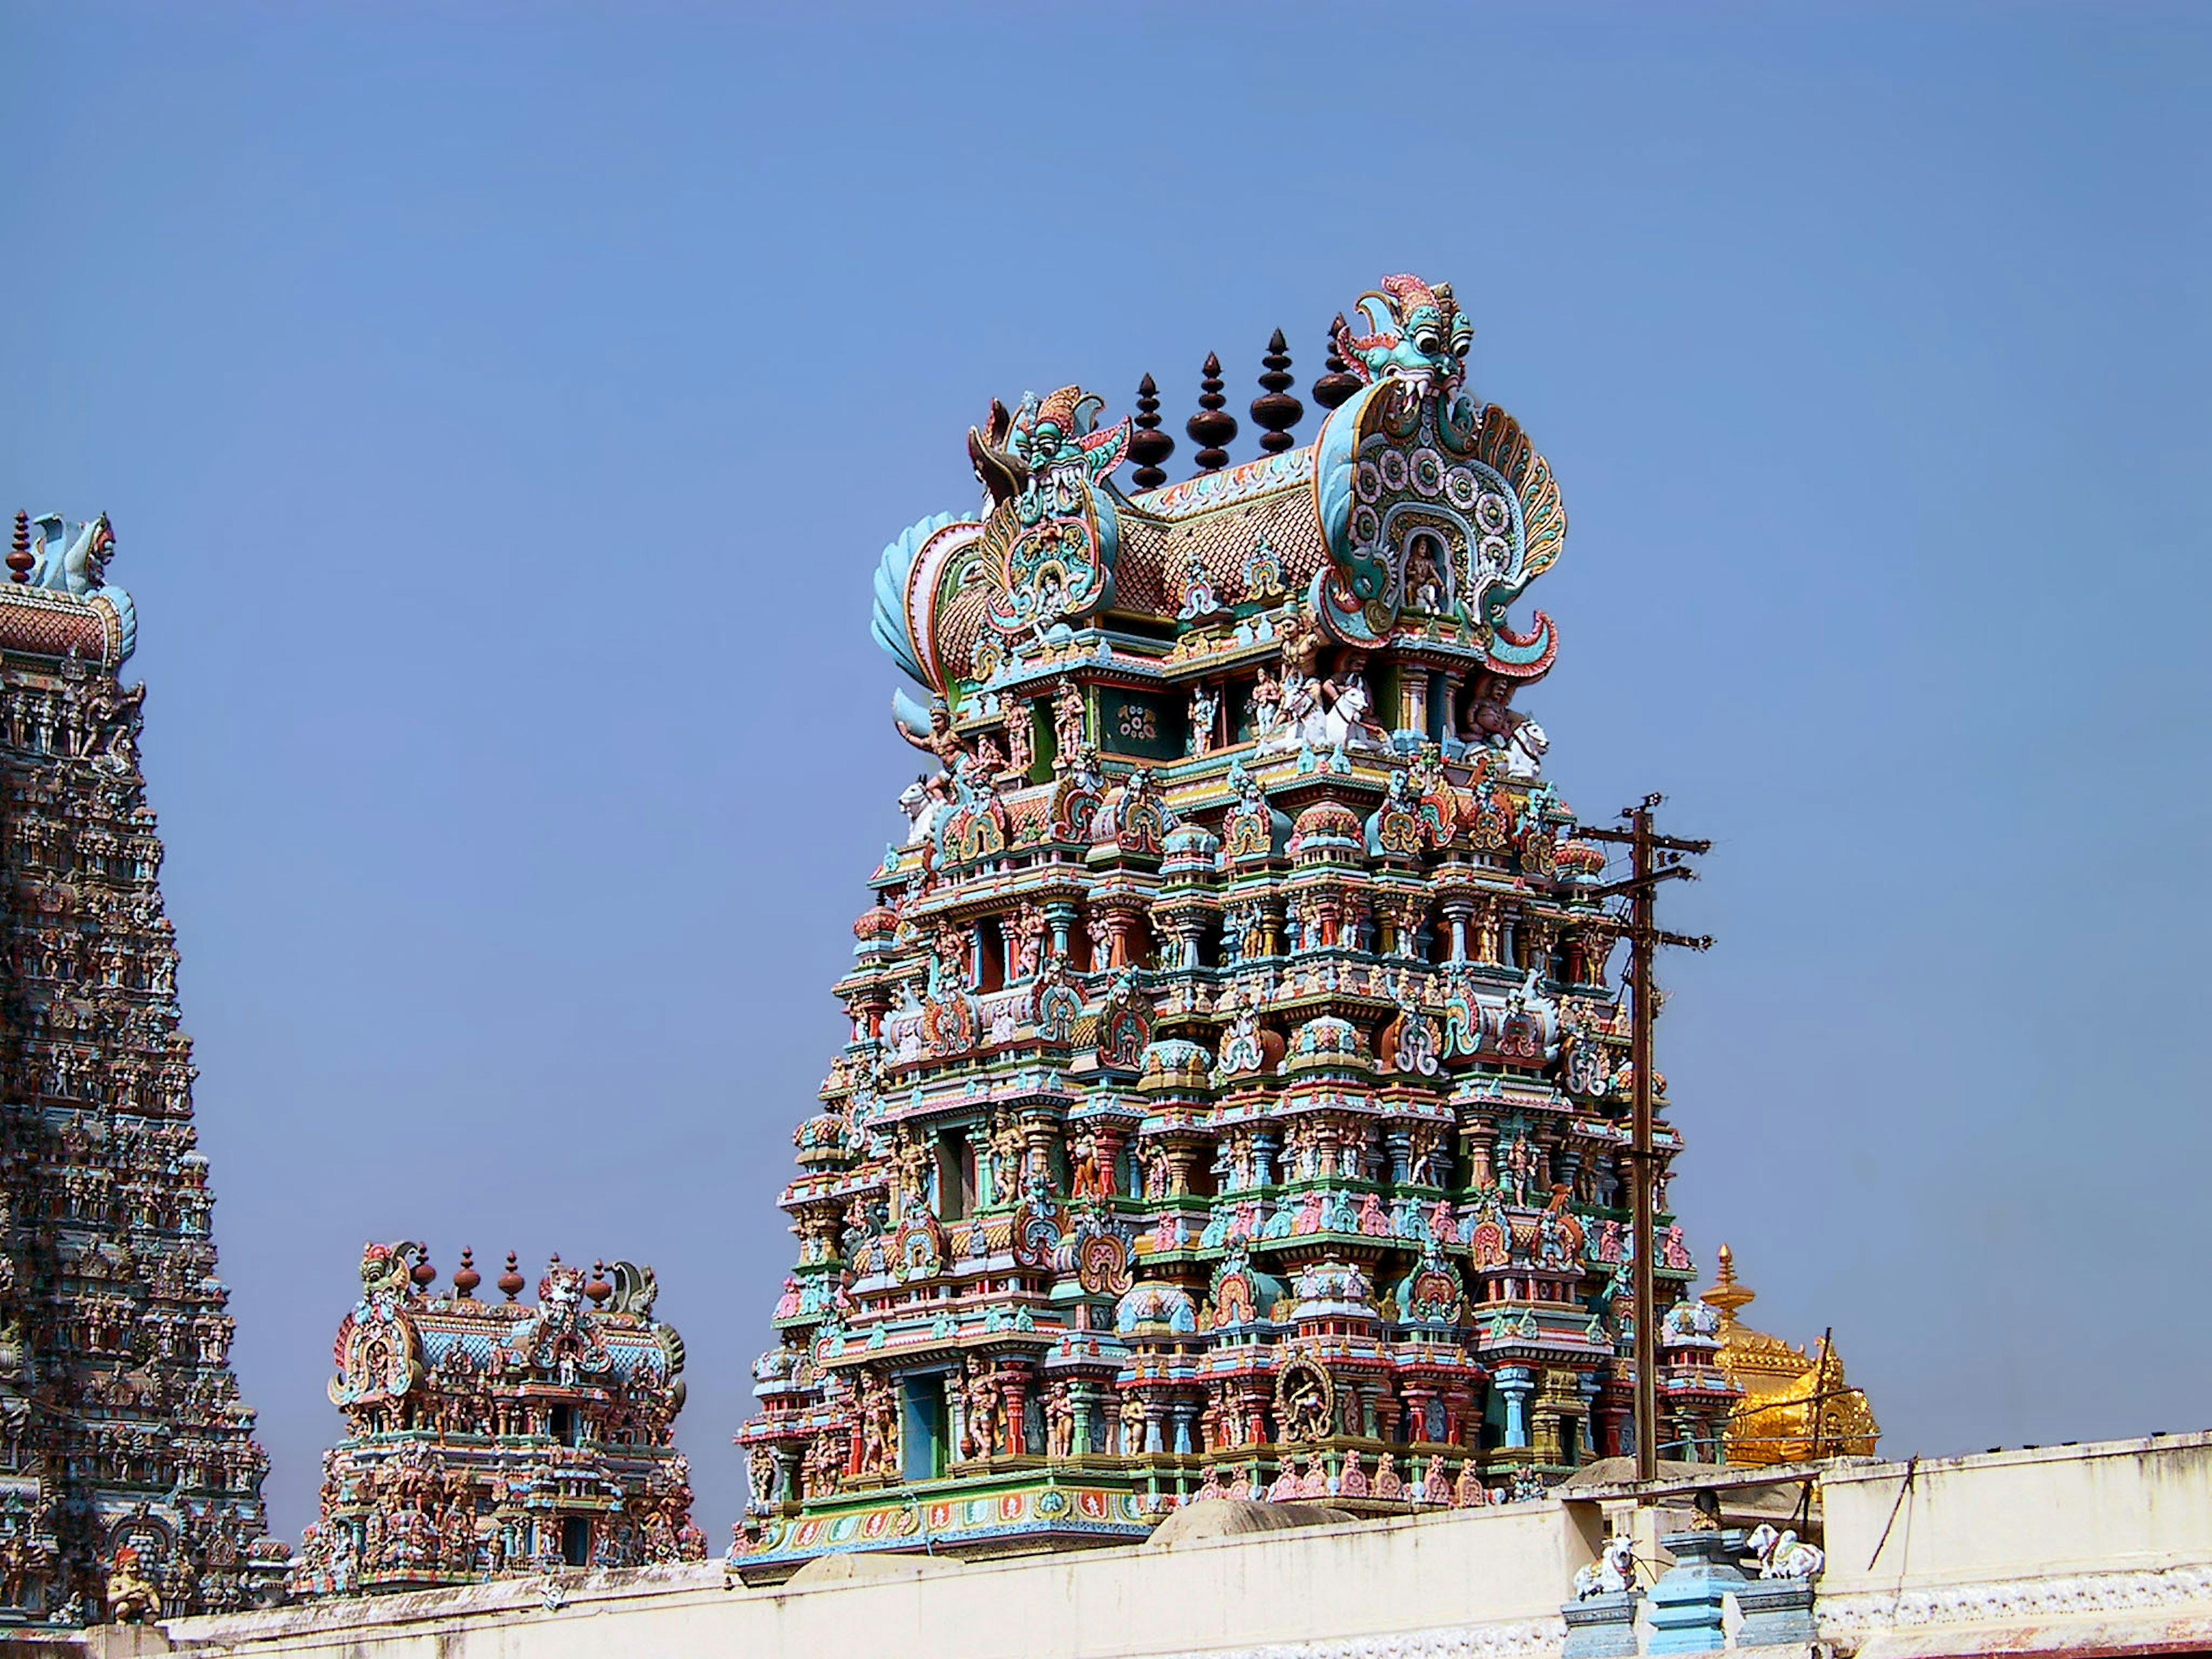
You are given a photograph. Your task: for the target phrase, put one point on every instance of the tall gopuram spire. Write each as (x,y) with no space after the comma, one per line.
(129,1479)
(1231,1101)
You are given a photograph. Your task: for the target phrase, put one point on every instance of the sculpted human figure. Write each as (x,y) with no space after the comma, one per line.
(1349,718)
(1008,1150)
(1090,1177)
(1030,932)
(937,740)
(1205,702)
(1423,585)
(1133,1426)
(1067,723)
(982,1395)
(1060,1419)
(1267,707)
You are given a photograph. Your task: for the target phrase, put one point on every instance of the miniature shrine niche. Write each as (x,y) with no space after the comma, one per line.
(489,1439)
(1232,1101)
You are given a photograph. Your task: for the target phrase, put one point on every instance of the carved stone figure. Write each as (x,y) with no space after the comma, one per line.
(1614,1572)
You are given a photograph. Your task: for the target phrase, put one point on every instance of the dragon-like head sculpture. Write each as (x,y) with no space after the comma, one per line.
(1053,435)
(1420,335)
(388,1269)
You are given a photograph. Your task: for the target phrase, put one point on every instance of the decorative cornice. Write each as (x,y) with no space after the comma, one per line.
(1523,1639)
(1850,1620)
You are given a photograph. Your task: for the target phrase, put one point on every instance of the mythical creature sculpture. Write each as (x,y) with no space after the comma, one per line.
(1420,335)
(385,1268)
(71,561)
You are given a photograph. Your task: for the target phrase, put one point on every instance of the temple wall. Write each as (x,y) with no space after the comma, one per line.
(2121,1504)
(1499,1568)
(2103,1548)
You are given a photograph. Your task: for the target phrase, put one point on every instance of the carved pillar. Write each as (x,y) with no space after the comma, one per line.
(1413,701)
(1059,919)
(1516,1383)
(1266,1146)
(1398,1147)
(1108,1141)
(1457,912)
(1481,1142)
(1013,1381)
(1040,1134)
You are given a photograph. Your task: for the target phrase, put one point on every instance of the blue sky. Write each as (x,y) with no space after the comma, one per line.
(501,409)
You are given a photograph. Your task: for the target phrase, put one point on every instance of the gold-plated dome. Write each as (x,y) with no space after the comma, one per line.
(1796,1406)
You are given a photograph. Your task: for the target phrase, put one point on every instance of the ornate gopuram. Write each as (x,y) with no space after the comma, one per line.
(486,1439)
(130,1478)
(1232,1100)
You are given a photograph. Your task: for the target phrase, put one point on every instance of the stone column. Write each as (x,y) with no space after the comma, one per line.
(1013,1380)
(1481,1141)
(1414,701)
(1108,1141)
(1457,912)
(1516,1383)
(1398,1144)
(1267,1146)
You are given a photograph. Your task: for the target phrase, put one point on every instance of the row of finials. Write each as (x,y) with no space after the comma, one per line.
(1275,412)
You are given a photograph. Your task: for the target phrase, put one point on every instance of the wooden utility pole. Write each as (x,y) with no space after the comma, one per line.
(1653,858)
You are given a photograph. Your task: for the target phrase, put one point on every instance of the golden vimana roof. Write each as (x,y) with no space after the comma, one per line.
(1796,1406)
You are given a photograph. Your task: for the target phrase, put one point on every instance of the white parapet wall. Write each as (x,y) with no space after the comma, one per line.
(1483,1580)
(2103,1548)
(2091,1549)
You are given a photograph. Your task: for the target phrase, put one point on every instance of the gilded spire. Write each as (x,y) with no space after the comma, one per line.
(1727,1294)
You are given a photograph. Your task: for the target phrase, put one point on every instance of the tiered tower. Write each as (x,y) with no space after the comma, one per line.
(495,1439)
(1230,1103)
(123,1442)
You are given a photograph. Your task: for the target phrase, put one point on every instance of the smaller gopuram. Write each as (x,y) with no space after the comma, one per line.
(488,1439)
(1232,1099)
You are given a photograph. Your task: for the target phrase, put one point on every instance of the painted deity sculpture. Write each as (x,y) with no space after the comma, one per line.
(1231,1103)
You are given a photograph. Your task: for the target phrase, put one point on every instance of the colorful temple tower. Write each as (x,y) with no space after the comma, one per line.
(1231,1100)
(498,1439)
(128,1471)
